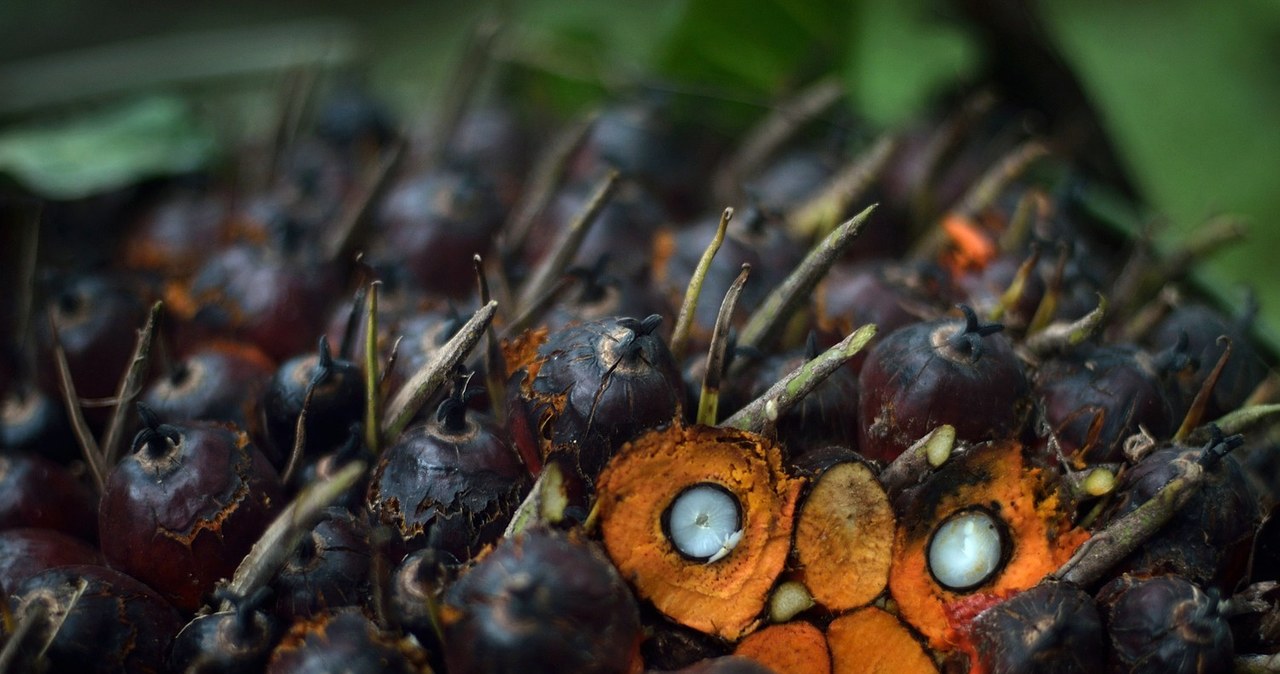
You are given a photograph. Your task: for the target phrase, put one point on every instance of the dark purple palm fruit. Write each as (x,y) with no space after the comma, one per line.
(960,373)
(589,388)
(824,416)
(1096,397)
(1203,326)
(494,139)
(38,493)
(542,601)
(27,552)
(337,389)
(433,223)
(97,318)
(1209,539)
(1053,627)
(32,421)
(640,140)
(328,570)
(175,233)
(354,123)
(752,237)
(257,294)
(450,484)
(237,641)
(417,591)
(345,641)
(182,510)
(1165,624)
(424,333)
(220,381)
(599,295)
(628,222)
(105,621)
(328,465)
(887,293)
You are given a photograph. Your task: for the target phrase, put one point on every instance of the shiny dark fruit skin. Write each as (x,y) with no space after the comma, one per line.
(888,293)
(598,385)
(97,317)
(1051,628)
(913,381)
(174,234)
(1209,539)
(1096,397)
(1165,624)
(27,552)
(255,294)
(238,641)
(38,493)
(337,403)
(117,624)
(33,421)
(1203,326)
(180,515)
(221,381)
(433,223)
(328,570)
(416,586)
(452,488)
(543,601)
(344,641)
(623,230)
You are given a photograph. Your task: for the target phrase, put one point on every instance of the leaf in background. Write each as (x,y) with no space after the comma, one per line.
(106,149)
(1191,95)
(904,53)
(756,49)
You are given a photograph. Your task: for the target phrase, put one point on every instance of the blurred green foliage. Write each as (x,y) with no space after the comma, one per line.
(1189,91)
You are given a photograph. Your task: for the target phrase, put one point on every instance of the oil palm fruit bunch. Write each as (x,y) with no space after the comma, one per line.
(634,400)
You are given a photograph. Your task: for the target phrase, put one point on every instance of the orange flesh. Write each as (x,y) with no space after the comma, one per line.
(871,641)
(844,538)
(725,597)
(973,248)
(793,648)
(995,478)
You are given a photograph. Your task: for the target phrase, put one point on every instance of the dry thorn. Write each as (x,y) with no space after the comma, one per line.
(684,322)
(426,381)
(495,382)
(277,543)
(372,377)
(130,386)
(768,321)
(84,437)
(547,273)
(709,400)
(543,181)
(1196,413)
(352,227)
(817,215)
(763,412)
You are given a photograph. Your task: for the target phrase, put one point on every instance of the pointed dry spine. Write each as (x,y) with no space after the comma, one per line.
(84,437)
(768,321)
(130,385)
(684,322)
(763,412)
(426,381)
(709,399)
(547,273)
(771,133)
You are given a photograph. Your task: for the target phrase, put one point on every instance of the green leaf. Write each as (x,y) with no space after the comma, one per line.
(1189,93)
(106,149)
(902,56)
